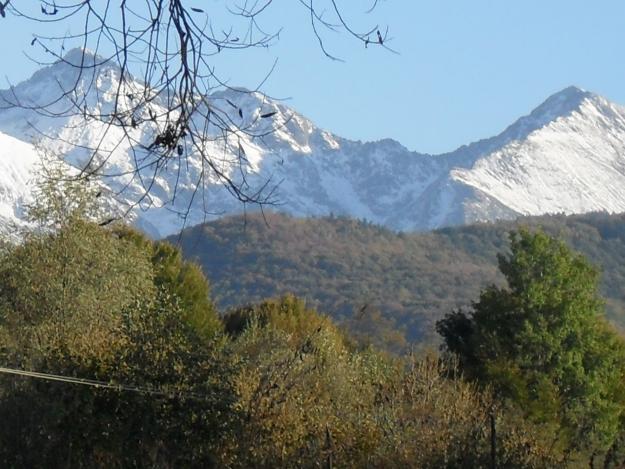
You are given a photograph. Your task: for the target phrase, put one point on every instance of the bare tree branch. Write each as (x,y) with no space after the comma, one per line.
(149,64)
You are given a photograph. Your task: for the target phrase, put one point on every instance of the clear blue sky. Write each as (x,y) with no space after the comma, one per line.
(466,69)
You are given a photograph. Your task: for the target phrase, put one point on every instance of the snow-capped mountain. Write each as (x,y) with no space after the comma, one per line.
(567,156)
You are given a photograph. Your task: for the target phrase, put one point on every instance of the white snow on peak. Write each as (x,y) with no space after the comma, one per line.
(568,155)
(573,164)
(18,162)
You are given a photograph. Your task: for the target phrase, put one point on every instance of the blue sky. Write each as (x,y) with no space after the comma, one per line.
(466,68)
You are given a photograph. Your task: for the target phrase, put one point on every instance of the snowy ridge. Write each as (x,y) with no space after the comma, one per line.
(18,161)
(568,155)
(573,164)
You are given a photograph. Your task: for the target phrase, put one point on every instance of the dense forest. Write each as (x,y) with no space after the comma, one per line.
(387,287)
(113,354)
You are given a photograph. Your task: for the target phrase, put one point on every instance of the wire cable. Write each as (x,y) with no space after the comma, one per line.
(98,384)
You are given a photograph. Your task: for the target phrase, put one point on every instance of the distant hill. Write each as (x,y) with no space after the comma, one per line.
(376,280)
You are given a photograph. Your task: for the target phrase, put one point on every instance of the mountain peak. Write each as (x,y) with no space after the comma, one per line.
(561,104)
(80,56)
(571,90)
(60,76)
(567,155)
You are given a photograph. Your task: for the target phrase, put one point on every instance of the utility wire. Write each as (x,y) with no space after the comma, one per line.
(98,384)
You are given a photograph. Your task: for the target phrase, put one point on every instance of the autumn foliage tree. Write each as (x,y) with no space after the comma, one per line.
(86,302)
(112,355)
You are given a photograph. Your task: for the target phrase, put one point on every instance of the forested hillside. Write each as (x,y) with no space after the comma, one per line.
(106,334)
(376,280)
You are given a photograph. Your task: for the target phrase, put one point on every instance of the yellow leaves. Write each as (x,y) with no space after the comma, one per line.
(356,407)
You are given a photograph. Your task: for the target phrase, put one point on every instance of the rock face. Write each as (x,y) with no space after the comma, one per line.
(567,156)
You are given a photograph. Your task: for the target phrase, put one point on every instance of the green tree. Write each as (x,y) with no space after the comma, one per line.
(173,418)
(81,300)
(69,288)
(68,280)
(543,343)
(180,278)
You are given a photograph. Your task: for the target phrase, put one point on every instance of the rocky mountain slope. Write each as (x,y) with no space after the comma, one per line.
(567,156)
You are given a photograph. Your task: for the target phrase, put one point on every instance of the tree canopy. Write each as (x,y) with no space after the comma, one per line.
(543,343)
(110,331)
